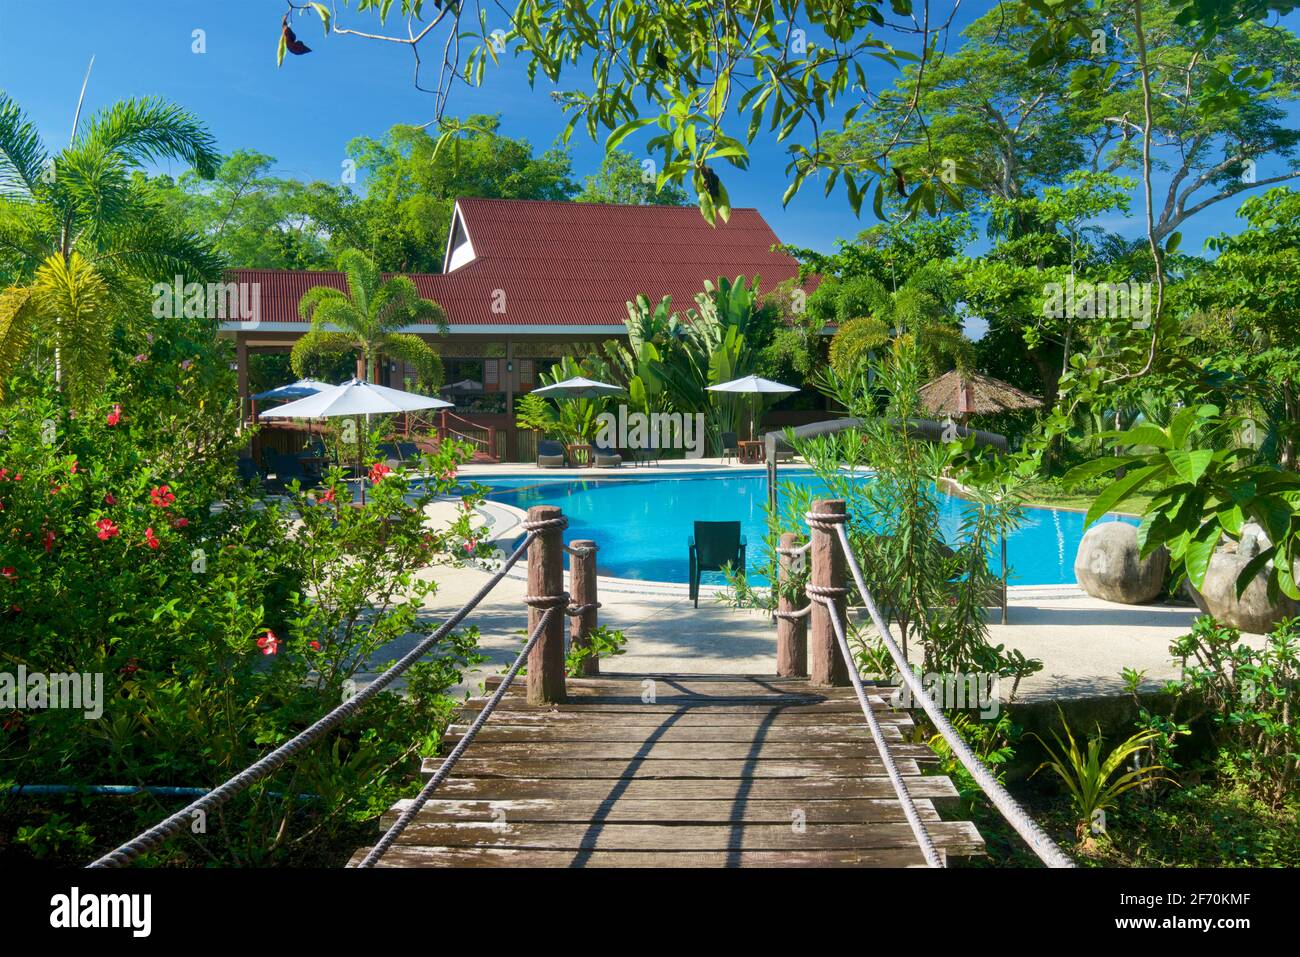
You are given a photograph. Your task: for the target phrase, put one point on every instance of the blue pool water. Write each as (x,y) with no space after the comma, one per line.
(642,524)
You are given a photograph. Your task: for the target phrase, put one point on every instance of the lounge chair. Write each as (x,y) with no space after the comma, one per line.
(550,454)
(641,457)
(730,445)
(605,457)
(248,470)
(714,545)
(287,468)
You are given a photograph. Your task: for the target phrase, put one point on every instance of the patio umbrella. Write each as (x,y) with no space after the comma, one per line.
(755,385)
(969,393)
(578,388)
(355,398)
(294,390)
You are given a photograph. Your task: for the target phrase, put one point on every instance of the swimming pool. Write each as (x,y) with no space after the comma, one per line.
(642,524)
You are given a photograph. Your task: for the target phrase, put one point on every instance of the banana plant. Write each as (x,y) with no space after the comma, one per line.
(1207,487)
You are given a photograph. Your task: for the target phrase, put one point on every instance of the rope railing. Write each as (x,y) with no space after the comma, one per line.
(426,792)
(1038,840)
(932,857)
(182,819)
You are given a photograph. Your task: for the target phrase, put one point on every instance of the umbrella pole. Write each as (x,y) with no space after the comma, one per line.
(361,473)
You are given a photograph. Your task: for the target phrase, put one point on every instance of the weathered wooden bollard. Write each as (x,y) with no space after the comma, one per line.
(826,666)
(546,590)
(582,597)
(791,631)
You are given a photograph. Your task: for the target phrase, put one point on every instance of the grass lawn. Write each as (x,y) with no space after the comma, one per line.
(1051,493)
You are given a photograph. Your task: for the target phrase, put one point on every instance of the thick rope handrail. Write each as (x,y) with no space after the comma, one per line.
(171,826)
(932,856)
(797,550)
(426,792)
(1037,839)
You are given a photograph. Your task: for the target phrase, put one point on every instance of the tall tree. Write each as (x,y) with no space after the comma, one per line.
(82,238)
(622,179)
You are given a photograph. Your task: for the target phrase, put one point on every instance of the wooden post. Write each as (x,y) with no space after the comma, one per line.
(546,579)
(826,666)
(582,592)
(791,633)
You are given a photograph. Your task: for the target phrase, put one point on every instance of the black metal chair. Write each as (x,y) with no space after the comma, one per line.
(287,468)
(730,445)
(714,545)
(248,470)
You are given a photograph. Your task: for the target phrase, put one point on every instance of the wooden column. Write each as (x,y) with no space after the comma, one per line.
(826,665)
(241,373)
(582,591)
(546,580)
(791,633)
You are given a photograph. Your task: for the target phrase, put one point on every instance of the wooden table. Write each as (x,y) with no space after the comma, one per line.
(751,451)
(579,454)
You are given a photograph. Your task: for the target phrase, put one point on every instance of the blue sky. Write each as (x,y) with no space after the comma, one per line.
(305,113)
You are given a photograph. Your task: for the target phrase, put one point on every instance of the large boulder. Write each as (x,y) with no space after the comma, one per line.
(1253,611)
(1253,540)
(1107,565)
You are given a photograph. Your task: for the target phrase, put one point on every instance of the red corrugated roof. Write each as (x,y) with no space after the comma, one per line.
(569,264)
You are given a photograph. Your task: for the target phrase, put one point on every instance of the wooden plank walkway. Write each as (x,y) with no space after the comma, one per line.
(678,771)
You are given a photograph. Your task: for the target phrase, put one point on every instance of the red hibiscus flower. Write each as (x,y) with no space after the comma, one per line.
(314,645)
(73,470)
(8,572)
(49,540)
(162,496)
(378,471)
(150,538)
(269,643)
(115,416)
(107,529)
(180,523)
(109,499)
(327,497)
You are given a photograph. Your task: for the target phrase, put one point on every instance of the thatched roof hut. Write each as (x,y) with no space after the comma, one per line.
(958,393)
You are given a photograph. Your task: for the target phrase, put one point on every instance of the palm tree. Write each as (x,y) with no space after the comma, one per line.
(363,320)
(869,317)
(81,236)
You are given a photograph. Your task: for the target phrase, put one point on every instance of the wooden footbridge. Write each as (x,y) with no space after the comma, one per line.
(807,767)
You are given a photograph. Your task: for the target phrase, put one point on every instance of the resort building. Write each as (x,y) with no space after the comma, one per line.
(525,281)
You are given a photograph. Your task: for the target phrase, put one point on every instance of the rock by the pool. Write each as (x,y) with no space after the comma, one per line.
(1107,565)
(1251,612)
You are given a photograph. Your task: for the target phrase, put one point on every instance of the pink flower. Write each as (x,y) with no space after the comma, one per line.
(162,496)
(150,538)
(378,471)
(73,470)
(8,572)
(115,416)
(327,497)
(180,523)
(269,643)
(186,364)
(107,529)
(141,357)
(471,545)
(109,499)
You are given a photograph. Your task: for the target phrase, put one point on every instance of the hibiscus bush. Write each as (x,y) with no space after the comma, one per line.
(223,622)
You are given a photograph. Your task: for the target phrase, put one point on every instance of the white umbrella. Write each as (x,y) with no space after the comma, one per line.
(356,398)
(755,385)
(578,388)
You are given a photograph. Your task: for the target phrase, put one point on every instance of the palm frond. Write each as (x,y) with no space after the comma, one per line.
(17,317)
(22,155)
(70,296)
(147,129)
(317,343)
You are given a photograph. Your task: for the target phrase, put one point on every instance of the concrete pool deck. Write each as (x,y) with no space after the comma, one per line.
(1083,642)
